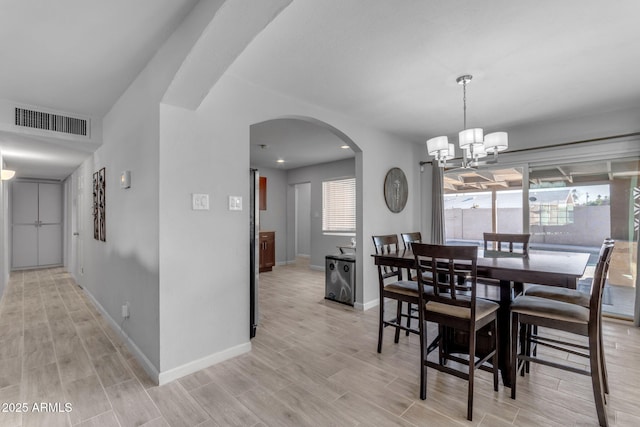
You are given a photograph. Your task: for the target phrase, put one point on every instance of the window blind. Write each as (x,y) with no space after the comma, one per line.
(339,205)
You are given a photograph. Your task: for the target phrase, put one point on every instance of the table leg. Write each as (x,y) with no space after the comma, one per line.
(504,325)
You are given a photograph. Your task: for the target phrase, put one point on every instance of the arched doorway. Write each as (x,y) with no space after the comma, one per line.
(295,153)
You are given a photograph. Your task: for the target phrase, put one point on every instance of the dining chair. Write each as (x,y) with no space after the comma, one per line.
(454,306)
(572,296)
(393,287)
(502,244)
(507,243)
(409,238)
(528,311)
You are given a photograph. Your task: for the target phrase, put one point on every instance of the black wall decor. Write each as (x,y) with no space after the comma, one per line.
(99,191)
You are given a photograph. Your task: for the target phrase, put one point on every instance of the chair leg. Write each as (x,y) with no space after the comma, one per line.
(381,324)
(442,345)
(525,345)
(596,378)
(398,320)
(472,365)
(495,361)
(528,329)
(408,317)
(423,357)
(518,288)
(605,376)
(514,353)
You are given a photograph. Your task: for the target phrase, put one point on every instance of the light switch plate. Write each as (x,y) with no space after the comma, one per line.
(200,202)
(235,203)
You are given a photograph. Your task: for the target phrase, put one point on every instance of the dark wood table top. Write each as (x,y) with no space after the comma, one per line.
(545,267)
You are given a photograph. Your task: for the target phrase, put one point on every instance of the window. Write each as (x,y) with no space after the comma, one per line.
(339,206)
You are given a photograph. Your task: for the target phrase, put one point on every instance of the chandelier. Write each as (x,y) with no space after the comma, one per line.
(472,142)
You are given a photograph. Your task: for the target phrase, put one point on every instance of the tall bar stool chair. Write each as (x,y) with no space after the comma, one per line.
(393,287)
(454,305)
(409,238)
(507,243)
(530,311)
(572,296)
(502,244)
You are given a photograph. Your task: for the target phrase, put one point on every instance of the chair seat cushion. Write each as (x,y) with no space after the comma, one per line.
(550,309)
(571,296)
(483,308)
(407,287)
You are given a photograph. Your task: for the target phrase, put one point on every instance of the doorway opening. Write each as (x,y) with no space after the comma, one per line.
(295,155)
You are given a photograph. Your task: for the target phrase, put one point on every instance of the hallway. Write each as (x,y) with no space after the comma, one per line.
(56,348)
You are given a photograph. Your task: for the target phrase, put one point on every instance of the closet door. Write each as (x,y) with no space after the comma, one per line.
(24,211)
(37,224)
(50,224)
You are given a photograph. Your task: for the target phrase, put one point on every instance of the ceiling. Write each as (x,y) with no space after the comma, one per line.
(296,143)
(393,65)
(388,65)
(77,57)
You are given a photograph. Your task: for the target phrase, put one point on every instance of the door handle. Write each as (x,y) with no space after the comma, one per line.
(76,233)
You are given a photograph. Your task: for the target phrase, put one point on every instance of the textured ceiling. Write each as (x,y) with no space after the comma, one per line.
(393,64)
(295,141)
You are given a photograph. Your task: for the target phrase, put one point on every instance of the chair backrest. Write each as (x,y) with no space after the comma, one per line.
(384,245)
(600,277)
(498,239)
(409,238)
(447,265)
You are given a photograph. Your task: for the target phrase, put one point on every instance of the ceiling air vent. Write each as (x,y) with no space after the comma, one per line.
(51,122)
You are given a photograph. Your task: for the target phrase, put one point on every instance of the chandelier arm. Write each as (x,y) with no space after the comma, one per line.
(471,141)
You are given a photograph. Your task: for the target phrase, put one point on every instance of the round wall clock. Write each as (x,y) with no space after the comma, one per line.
(396,190)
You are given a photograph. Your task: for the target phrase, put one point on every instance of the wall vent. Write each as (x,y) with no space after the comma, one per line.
(51,122)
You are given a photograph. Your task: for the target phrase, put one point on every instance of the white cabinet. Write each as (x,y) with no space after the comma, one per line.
(36,224)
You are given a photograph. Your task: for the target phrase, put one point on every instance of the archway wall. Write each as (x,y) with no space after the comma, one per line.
(207,151)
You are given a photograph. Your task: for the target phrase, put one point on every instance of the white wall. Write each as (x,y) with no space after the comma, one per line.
(208,284)
(602,125)
(125,268)
(303,219)
(5,234)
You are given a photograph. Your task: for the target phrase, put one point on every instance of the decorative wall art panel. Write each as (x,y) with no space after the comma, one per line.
(99,207)
(396,190)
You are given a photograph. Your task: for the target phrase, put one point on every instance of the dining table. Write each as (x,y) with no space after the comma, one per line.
(553,268)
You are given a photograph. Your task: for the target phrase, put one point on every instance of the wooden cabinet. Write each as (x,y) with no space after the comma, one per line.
(267,250)
(263,193)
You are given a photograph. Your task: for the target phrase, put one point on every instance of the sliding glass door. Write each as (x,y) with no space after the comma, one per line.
(573,207)
(478,201)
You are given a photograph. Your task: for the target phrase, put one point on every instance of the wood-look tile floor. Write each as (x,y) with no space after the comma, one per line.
(313,363)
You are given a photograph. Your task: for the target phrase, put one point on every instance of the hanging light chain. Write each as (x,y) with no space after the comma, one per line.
(464,102)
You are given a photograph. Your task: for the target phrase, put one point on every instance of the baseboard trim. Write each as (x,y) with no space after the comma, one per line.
(146,364)
(317,267)
(367,305)
(196,365)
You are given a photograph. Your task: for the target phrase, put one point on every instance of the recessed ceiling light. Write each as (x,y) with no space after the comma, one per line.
(344,147)
(280,161)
